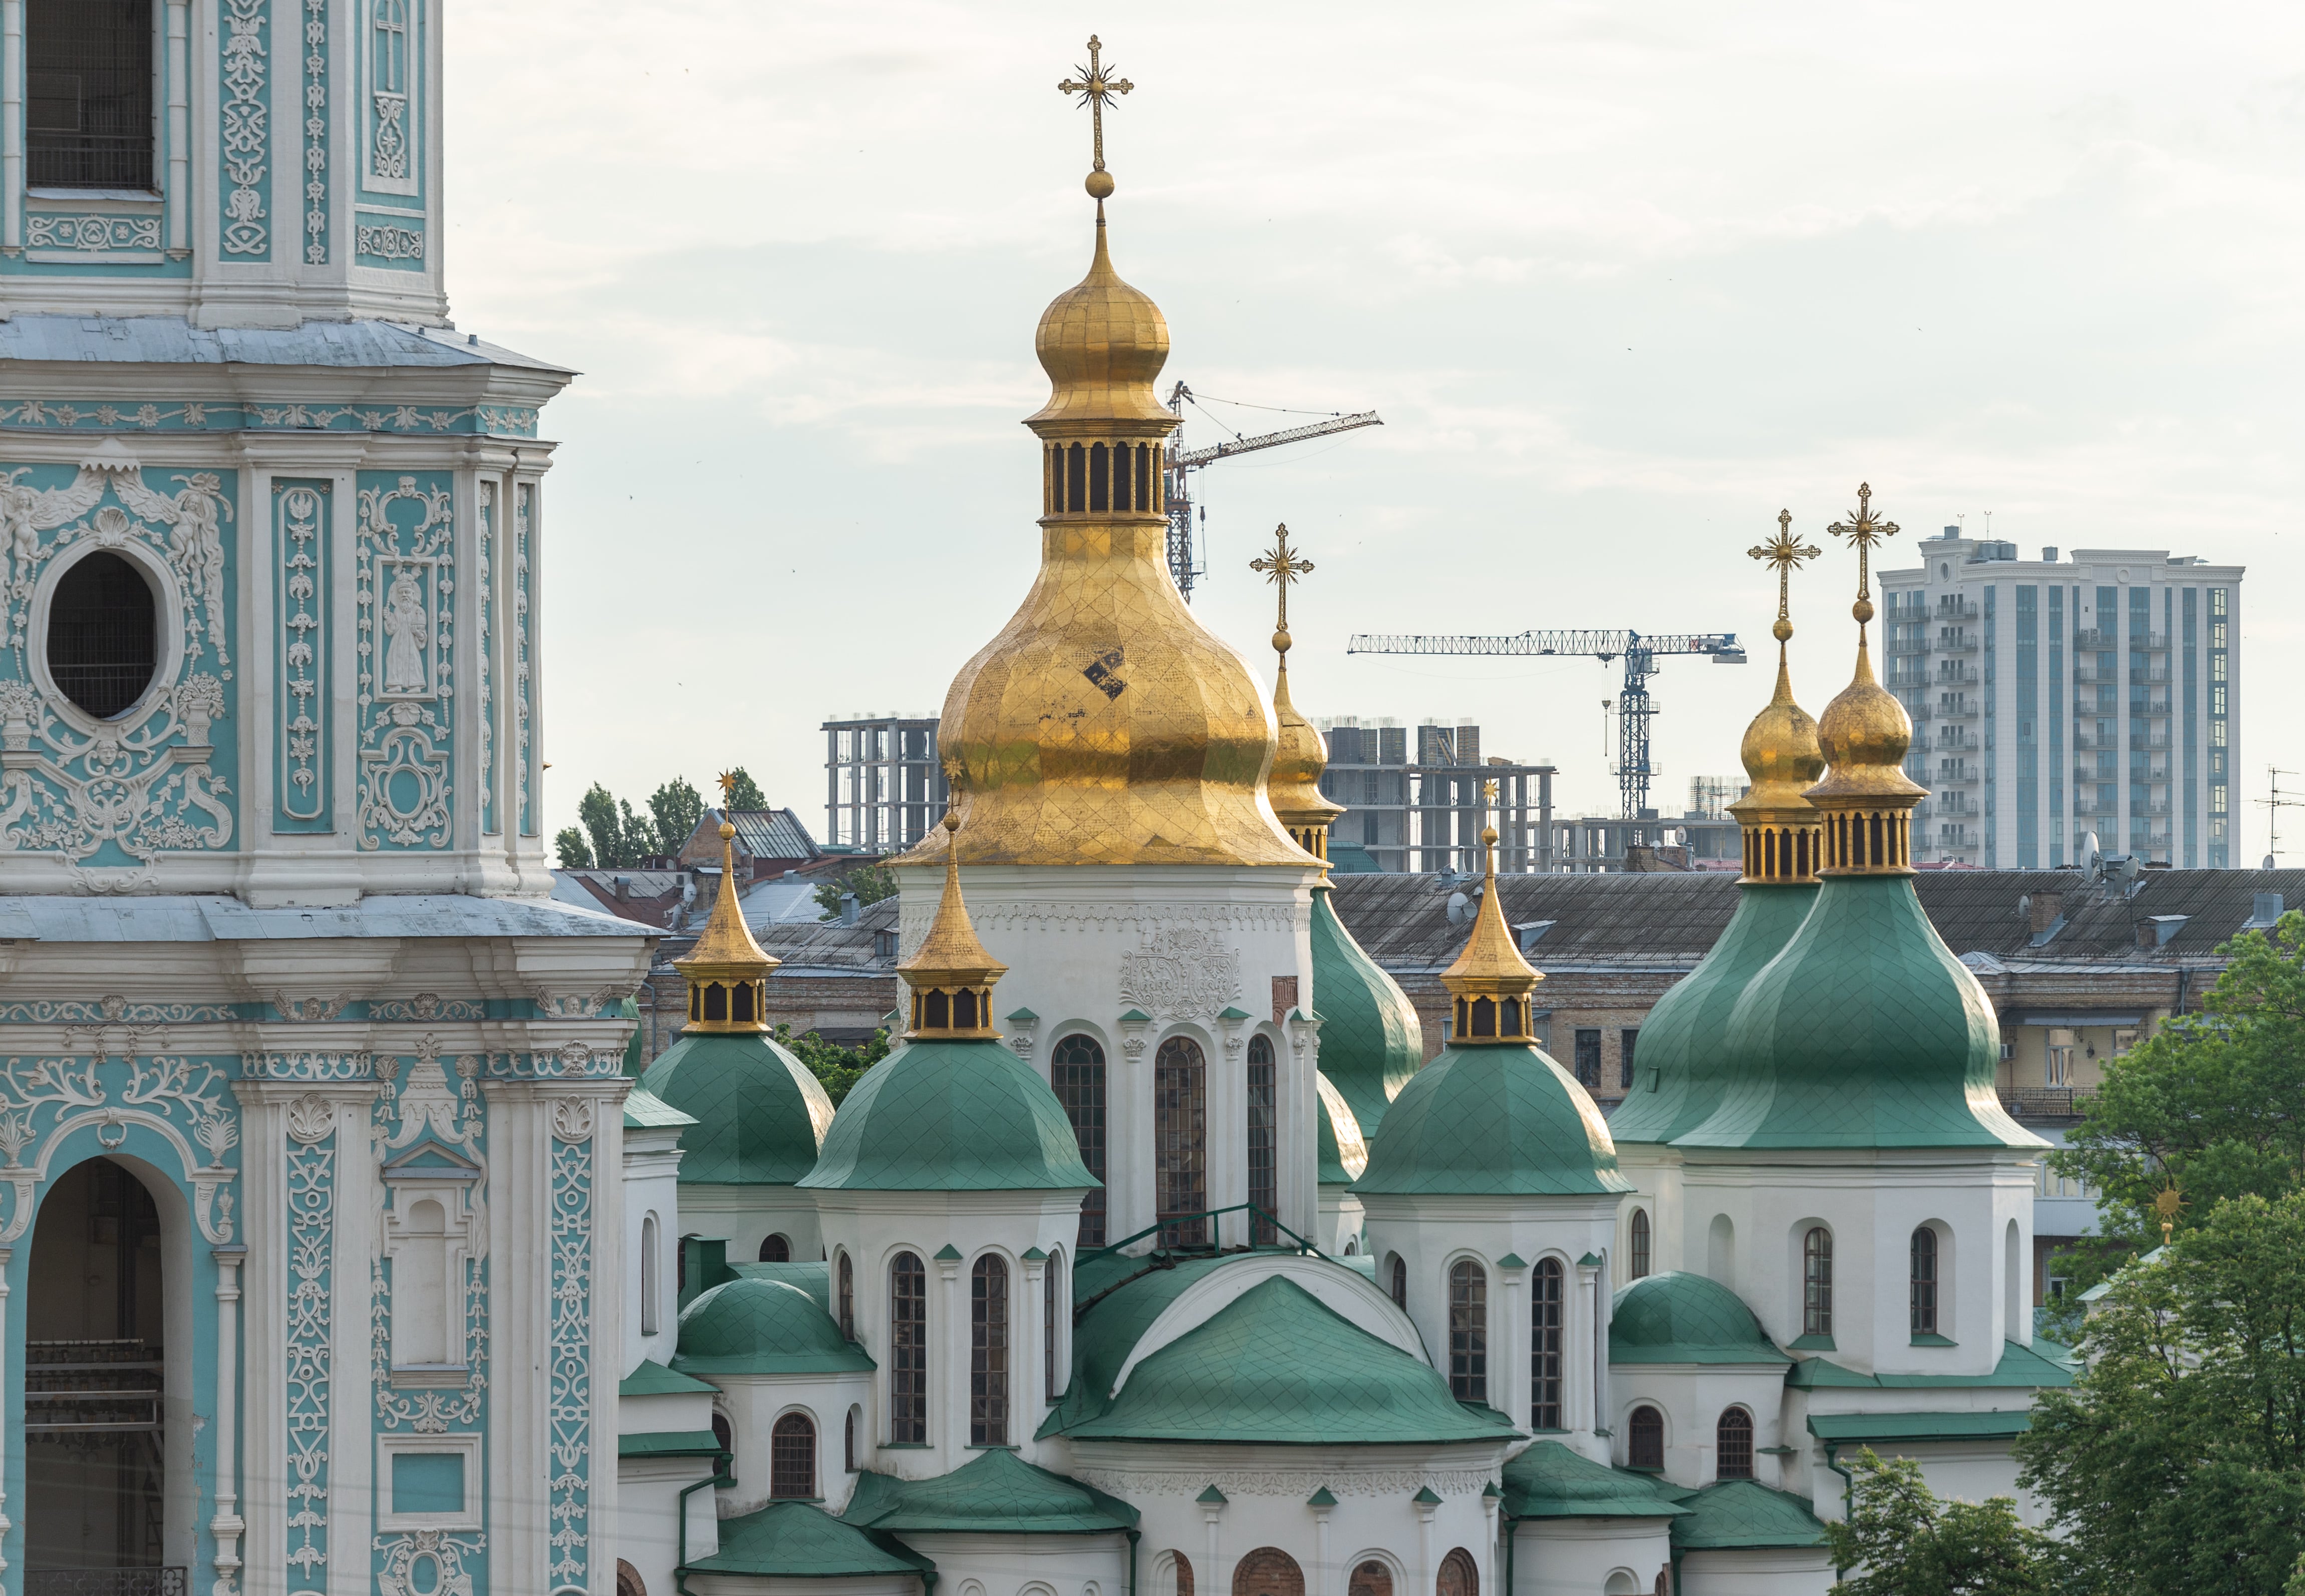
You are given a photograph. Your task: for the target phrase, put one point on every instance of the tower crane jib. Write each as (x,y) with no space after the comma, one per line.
(1184,564)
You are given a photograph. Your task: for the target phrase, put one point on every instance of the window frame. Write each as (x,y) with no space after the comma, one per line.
(991,1343)
(1468,1330)
(1090,1109)
(1924,1280)
(778,1467)
(908,1354)
(1728,1463)
(1816,1281)
(1637,1431)
(1548,1301)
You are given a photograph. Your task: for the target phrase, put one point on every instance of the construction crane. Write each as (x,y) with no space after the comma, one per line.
(1182,461)
(1639,650)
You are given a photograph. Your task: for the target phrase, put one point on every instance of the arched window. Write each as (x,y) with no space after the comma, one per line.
(1180,1129)
(1640,1243)
(988,1352)
(1400,1282)
(1184,1572)
(1645,1438)
(775,1249)
(724,1434)
(651,1286)
(1544,1293)
(1370,1579)
(1925,1282)
(628,1580)
(1459,1576)
(1076,1070)
(1268,1571)
(1263,1170)
(1732,1445)
(847,1271)
(1816,1282)
(792,1457)
(1052,1292)
(848,1442)
(1468,1332)
(908,1351)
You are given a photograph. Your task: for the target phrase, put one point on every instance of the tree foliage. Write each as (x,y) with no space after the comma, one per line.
(2177,1462)
(2211,1100)
(1901,1540)
(575,853)
(870,882)
(836,1068)
(677,807)
(620,838)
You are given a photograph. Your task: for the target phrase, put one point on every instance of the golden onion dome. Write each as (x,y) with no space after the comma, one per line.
(1780,752)
(1102,343)
(1864,735)
(1298,760)
(1490,984)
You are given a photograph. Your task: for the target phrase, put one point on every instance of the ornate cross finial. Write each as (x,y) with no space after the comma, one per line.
(1283,569)
(1784,551)
(1863,531)
(1096,85)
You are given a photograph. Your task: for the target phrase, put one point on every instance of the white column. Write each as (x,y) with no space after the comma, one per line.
(226,1525)
(1214,1573)
(11,126)
(1423,1542)
(1032,1378)
(1511,1384)
(1323,1580)
(7,1257)
(180,130)
(948,1396)
(1582,1358)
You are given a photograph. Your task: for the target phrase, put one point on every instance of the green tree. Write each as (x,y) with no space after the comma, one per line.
(677,807)
(837,1068)
(2210,1101)
(621,839)
(2176,1463)
(746,792)
(870,882)
(575,853)
(1905,1542)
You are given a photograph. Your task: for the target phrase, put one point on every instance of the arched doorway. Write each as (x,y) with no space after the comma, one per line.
(95,1378)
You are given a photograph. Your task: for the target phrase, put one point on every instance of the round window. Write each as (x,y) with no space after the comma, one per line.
(103,635)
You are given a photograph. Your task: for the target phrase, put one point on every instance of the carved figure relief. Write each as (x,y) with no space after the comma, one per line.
(1174,972)
(406,588)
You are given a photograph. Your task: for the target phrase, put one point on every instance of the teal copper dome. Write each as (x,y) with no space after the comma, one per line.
(762,1327)
(759,1115)
(950,1115)
(1492,1121)
(1677,1317)
(1370,1043)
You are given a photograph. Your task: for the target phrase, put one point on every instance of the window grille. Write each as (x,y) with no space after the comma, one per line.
(792,1458)
(1468,1332)
(1180,1143)
(908,1351)
(1263,1172)
(987,1353)
(1732,1441)
(88,94)
(1077,1067)
(1544,1295)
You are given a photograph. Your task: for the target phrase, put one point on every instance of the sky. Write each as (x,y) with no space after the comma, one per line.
(1622,283)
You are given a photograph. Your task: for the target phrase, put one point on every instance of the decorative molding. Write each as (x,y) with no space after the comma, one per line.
(57,415)
(114,1010)
(184,1099)
(389,241)
(569,1399)
(313,1069)
(394,60)
(427,1005)
(425,1104)
(90,234)
(300,540)
(405,600)
(575,1006)
(572,1119)
(1298,1483)
(311,1246)
(1176,973)
(446,1551)
(524,685)
(312,1118)
(316,133)
(246,127)
(485,553)
(309,1008)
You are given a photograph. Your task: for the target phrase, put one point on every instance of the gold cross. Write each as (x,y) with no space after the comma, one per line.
(1784,551)
(1282,568)
(1096,85)
(1863,531)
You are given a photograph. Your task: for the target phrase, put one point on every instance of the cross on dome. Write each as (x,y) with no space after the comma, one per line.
(1283,569)
(1863,531)
(1096,85)
(1784,551)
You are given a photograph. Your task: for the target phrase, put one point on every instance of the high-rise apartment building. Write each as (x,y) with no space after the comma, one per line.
(2054,700)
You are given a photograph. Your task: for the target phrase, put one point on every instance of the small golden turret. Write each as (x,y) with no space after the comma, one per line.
(1865,799)
(1491,983)
(727,971)
(950,974)
(1784,835)
(1300,756)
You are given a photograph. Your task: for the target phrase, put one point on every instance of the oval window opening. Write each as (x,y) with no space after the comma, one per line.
(103,638)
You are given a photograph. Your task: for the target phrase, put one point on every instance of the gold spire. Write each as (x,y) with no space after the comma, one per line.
(1300,757)
(1865,798)
(727,971)
(950,974)
(1490,981)
(1780,752)
(1103,725)
(1096,85)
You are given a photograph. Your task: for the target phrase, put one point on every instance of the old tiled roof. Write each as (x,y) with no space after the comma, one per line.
(797,1539)
(950,1115)
(805,946)
(1744,1513)
(996,1491)
(1681,1318)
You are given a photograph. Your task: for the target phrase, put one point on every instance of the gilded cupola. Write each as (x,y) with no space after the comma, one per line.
(1866,799)
(727,971)
(1490,985)
(951,974)
(1782,833)
(1103,725)
(1299,756)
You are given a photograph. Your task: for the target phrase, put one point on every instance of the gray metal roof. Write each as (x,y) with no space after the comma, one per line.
(170,340)
(57,919)
(772,833)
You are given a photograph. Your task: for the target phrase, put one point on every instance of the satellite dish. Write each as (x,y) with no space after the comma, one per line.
(2268,862)
(1459,908)
(2090,852)
(2130,867)
(2024,906)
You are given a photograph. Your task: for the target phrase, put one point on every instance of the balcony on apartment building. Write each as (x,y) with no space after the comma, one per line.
(2151,642)
(1954,674)
(1950,608)
(1954,739)
(1955,639)
(1957,773)
(1956,706)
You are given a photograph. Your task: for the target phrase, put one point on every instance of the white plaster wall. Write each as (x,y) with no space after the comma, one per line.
(1022,1565)
(1692,1397)
(1580,1557)
(651,1189)
(1655,1173)
(647,1526)
(753,1403)
(1791,1572)
(745,1216)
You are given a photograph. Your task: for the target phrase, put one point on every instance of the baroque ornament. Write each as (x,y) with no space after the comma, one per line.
(246,126)
(569,1392)
(426,1563)
(310,1356)
(1178,973)
(405,597)
(91,234)
(184,1101)
(316,133)
(302,545)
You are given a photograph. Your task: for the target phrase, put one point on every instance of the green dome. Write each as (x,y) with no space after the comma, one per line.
(759,1115)
(950,1115)
(1865,1031)
(1343,1148)
(1371,1042)
(1678,1066)
(1676,1318)
(762,1327)
(1493,1122)
(1549,1480)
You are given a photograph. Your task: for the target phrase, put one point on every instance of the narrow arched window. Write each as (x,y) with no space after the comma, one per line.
(908,1351)
(1459,1575)
(1180,1143)
(848,1442)
(1184,1572)
(792,1457)
(775,1249)
(1816,1282)
(1099,478)
(1468,1332)
(987,1353)
(1544,1295)
(1076,479)
(1925,1282)
(1640,1243)
(1264,1169)
(1645,1438)
(651,1286)
(1077,1071)
(847,1298)
(1052,1294)
(1733,1444)
(724,1433)
(1400,1282)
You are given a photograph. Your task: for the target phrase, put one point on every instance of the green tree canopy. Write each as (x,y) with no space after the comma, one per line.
(620,838)
(836,1068)
(746,792)
(1900,1541)
(2176,1463)
(870,882)
(575,853)
(677,807)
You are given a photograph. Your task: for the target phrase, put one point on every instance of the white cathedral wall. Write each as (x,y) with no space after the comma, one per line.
(1087,944)
(649,1506)
(1590,1556)
(754,1403)
(652,1204)
(1655,1173)
(748,1216)
(1691,1397)
(980,1565)
(1789,1571)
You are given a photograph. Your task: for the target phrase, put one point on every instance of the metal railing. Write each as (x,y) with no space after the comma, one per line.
(2046,1103)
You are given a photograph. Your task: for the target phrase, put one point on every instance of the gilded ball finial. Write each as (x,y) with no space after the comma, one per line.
(1099,185)
(1783,631)
(728,830)
(951,821)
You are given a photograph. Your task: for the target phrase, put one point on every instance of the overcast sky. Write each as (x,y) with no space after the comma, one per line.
(1622,281)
